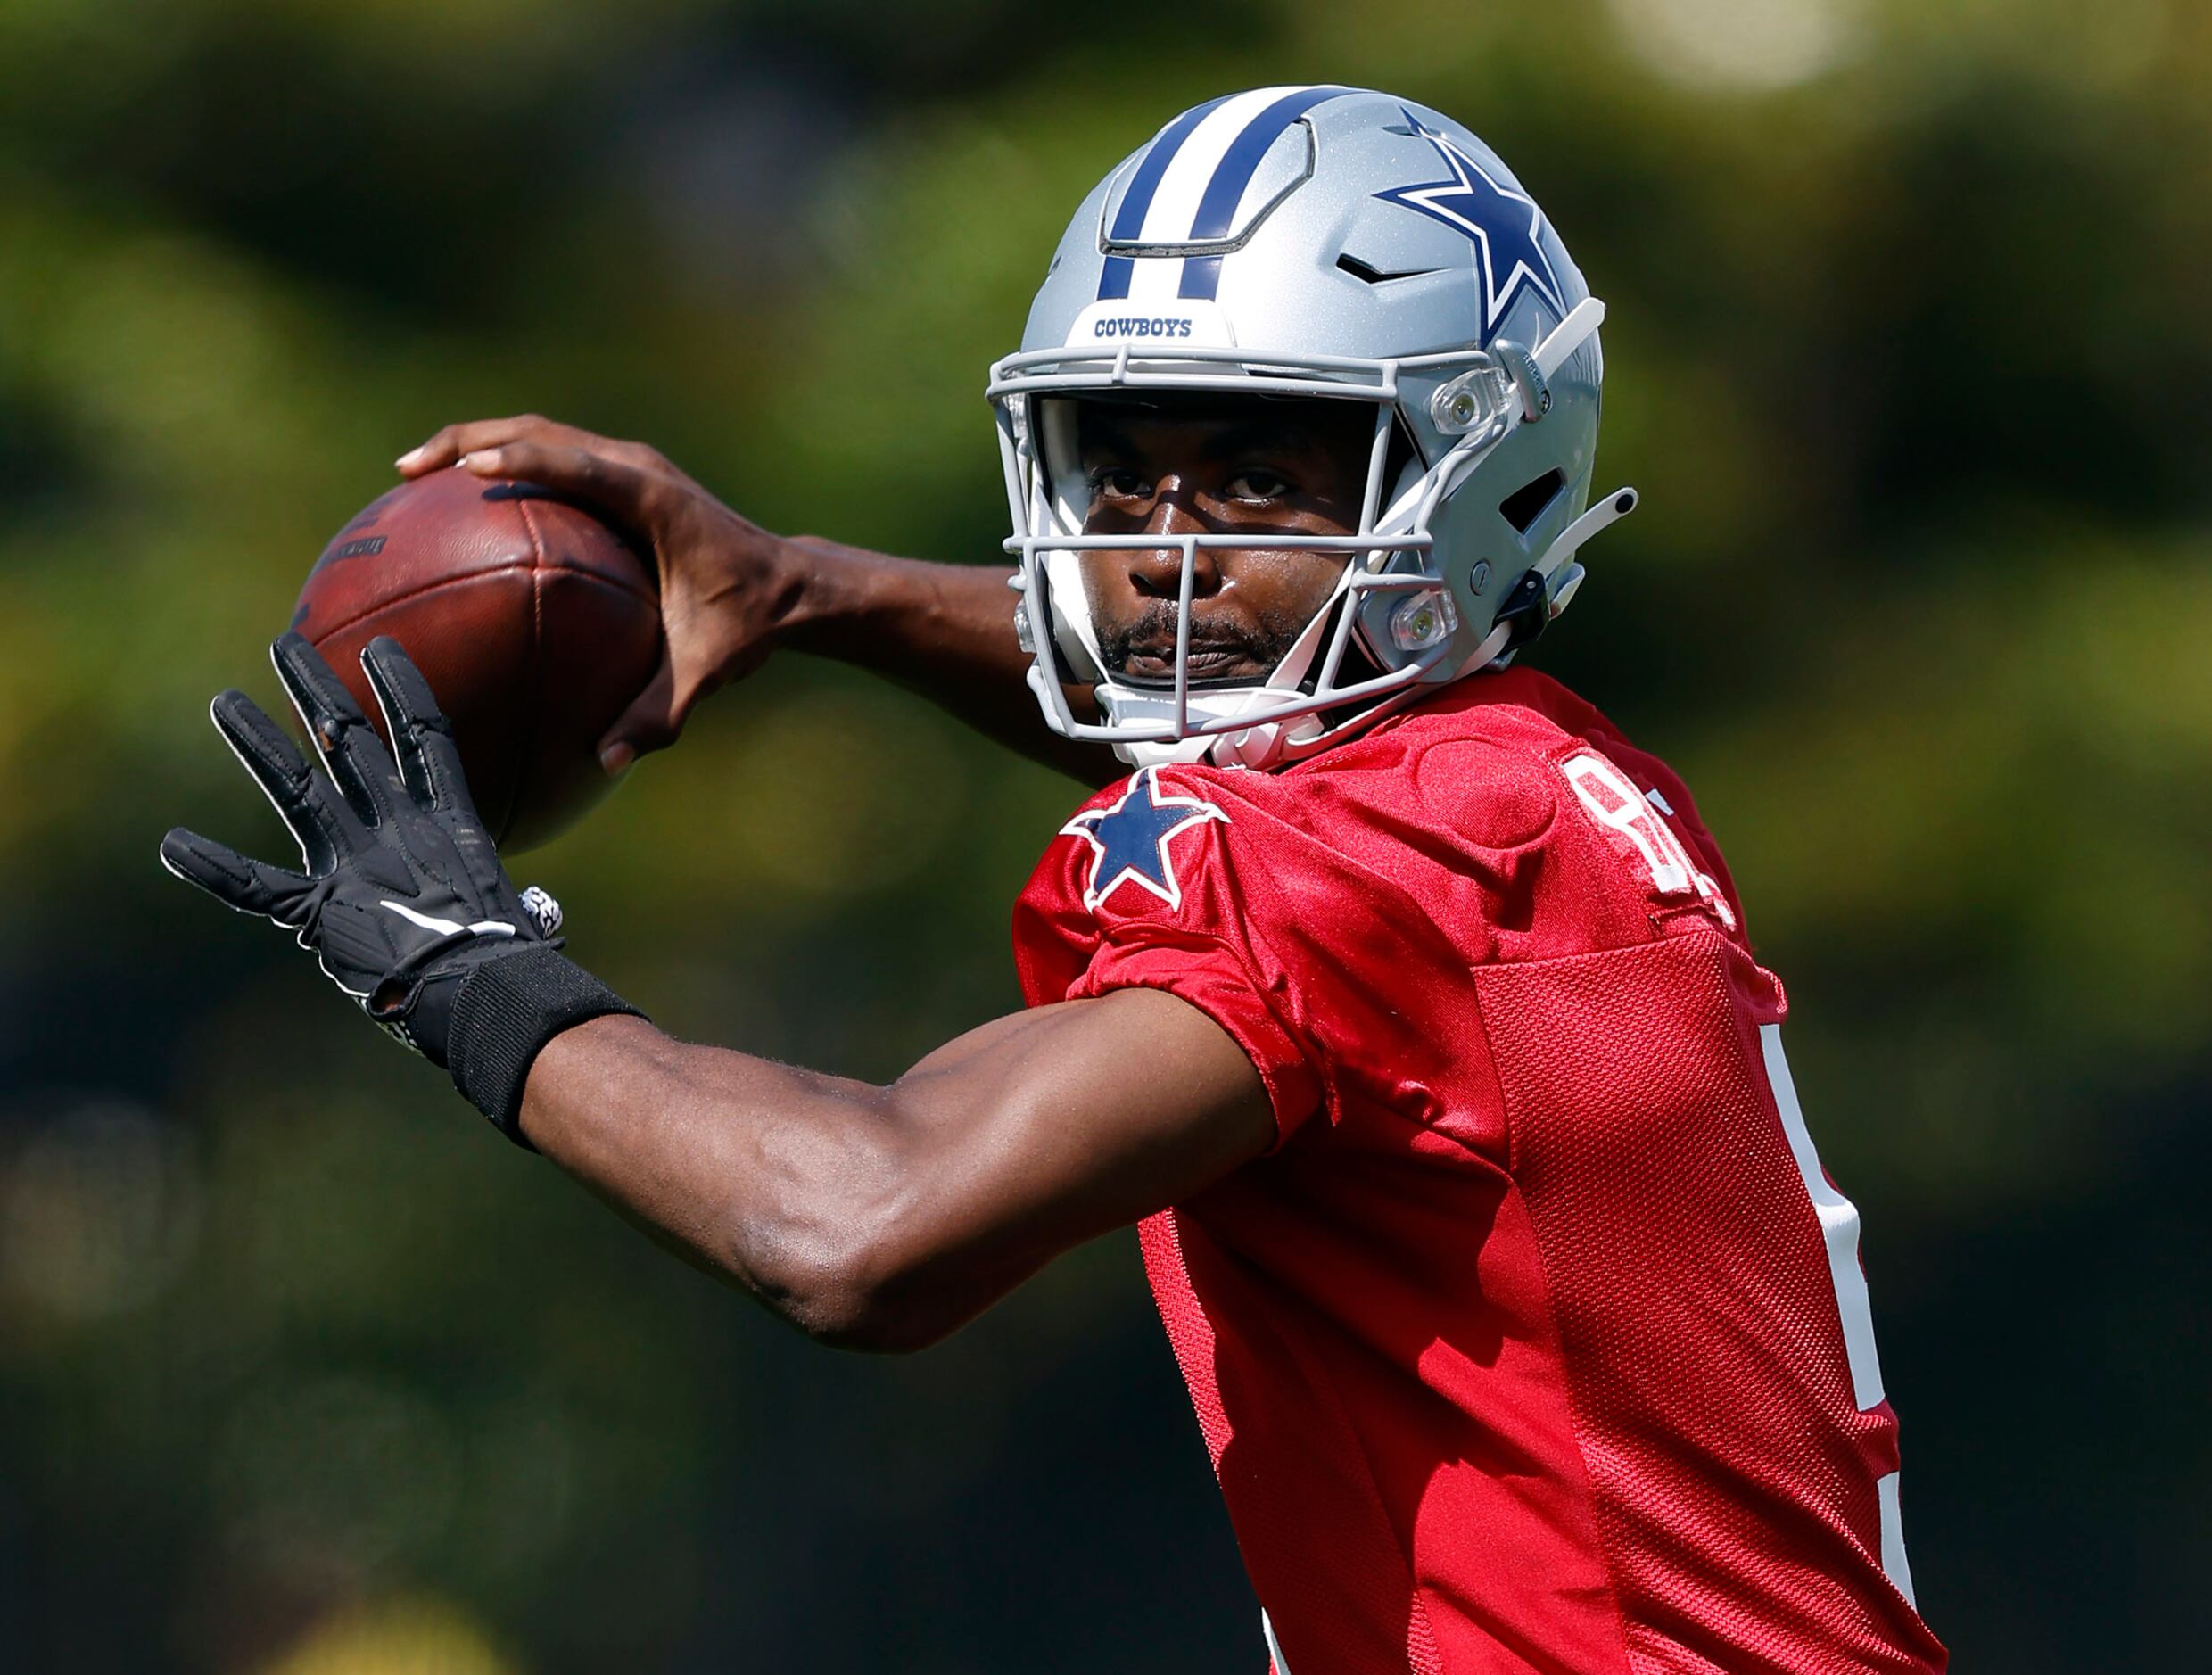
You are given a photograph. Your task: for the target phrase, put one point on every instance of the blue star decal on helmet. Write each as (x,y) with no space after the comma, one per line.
(1129,841)
(1502,224)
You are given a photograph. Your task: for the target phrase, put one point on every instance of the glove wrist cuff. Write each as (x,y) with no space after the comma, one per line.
(504,1013)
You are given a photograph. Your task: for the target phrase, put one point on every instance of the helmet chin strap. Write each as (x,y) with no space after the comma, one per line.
(1254,746)
(1561,571)
(1548,586)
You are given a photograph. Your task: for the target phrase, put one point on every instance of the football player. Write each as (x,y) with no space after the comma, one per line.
(1405,1004)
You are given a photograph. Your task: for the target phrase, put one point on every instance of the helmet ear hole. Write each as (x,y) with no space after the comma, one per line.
(1531,499)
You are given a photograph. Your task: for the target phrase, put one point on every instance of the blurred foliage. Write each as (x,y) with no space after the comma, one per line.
(301,1371)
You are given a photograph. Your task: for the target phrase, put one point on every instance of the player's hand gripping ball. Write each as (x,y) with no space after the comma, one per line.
(534,622)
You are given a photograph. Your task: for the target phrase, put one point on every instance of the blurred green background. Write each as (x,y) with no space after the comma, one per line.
(304,1371)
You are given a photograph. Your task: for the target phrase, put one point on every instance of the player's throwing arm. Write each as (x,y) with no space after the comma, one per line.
(878,1218)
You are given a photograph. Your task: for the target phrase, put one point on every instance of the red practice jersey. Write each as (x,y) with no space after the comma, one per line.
(1539,1341)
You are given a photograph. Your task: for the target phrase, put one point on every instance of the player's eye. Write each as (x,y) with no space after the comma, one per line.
(1257,483)
(1115,483)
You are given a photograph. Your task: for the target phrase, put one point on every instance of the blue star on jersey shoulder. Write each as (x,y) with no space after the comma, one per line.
(1502,224)
(1129,840)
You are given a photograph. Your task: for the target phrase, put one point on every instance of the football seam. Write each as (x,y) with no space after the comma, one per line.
(529,756)
(389,600)
(641,595)
(324,636)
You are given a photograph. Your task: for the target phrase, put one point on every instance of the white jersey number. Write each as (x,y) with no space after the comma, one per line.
(1615,803)
(1840,1225)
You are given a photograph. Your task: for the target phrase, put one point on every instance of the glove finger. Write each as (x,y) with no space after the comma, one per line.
(243,885)
(355,758)
(430,762)
(281,773)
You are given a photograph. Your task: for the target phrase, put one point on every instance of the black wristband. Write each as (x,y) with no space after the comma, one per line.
(507,1009)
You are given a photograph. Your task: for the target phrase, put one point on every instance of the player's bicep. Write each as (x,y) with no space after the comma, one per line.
(1044,1129)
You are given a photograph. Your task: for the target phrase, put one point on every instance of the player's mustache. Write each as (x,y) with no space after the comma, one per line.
(1152,633)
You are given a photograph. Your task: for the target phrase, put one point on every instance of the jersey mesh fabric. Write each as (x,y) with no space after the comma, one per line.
(1734,1477)
(1521,1350)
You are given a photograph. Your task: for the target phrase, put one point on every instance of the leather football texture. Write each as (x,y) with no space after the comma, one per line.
(535,624)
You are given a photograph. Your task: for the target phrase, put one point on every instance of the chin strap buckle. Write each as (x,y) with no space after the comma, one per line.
(1526,612)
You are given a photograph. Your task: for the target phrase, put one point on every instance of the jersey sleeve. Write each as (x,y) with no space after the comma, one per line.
(1175,881)
(1231,987)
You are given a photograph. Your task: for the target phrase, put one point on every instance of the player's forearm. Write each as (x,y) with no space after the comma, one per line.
(763,1175)
(944,630)
(883,1218)
(812,1193)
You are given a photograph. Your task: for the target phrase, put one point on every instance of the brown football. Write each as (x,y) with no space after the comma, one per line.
(535,624)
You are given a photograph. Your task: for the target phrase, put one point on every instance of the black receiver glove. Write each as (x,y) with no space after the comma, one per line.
(402,901)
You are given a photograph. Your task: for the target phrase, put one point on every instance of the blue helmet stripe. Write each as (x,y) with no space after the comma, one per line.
(1137,202)
(1216,209)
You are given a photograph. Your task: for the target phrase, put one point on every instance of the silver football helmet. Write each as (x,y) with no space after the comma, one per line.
(1316,242)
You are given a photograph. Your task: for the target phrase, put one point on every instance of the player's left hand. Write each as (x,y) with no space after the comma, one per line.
(402,896)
